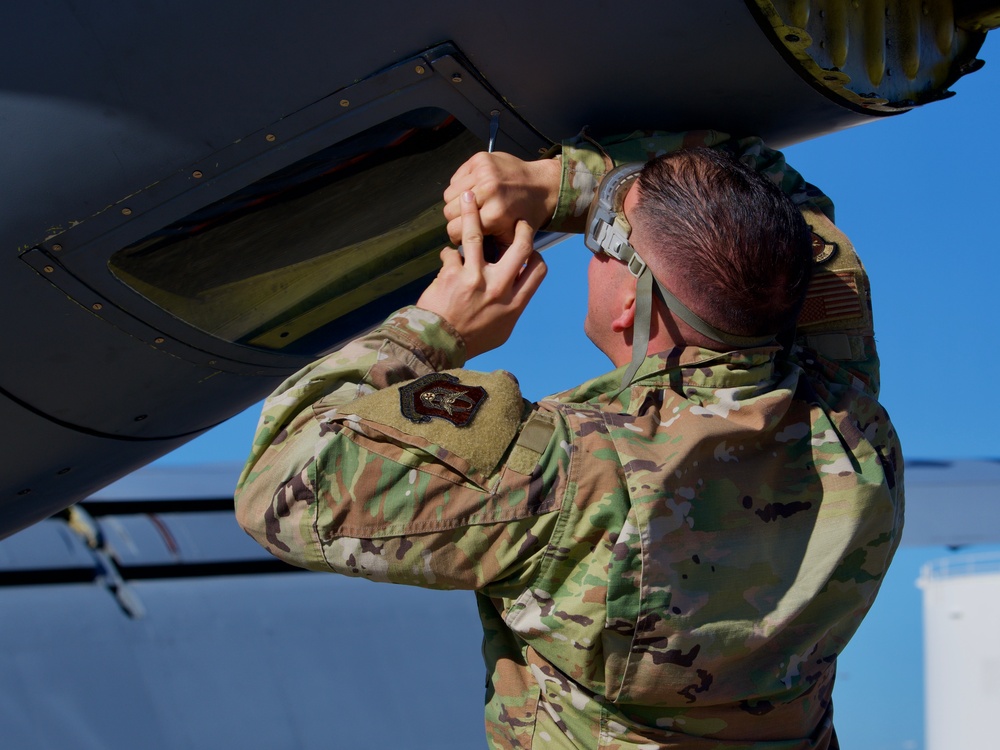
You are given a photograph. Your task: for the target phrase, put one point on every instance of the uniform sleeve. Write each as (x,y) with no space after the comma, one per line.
(585,162)
(380,462)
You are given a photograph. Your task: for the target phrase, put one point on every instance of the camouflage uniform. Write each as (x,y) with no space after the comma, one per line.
(675,566)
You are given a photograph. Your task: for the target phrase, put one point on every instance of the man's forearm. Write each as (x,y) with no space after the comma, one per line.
(343,479)
(584,163)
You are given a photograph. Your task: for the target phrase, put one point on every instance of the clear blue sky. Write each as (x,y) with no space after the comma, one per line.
(917,194)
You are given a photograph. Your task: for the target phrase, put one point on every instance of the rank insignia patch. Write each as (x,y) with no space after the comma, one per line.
(442,396)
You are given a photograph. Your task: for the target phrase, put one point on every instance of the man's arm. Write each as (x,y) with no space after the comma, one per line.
(367,463)
(555,194)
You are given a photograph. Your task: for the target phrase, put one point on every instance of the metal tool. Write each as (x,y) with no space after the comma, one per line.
(491,251)
(494,129)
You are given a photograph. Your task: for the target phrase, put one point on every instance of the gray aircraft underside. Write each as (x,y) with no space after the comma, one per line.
(146,618)
(200,197)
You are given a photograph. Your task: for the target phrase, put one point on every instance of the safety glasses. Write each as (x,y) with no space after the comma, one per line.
(607,228)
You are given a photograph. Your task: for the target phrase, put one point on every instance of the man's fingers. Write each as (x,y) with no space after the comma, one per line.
(475,167)
(453,205)
(472,231)
(455,230)
(530,279)
(450,257)
(469,176)
(521,269)
(460,182)
(521,246)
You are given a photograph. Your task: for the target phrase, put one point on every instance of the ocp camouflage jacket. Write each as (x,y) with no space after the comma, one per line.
(675,566)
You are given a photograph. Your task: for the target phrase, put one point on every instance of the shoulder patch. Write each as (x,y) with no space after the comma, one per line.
(473,415)
(839,298)
(441,396)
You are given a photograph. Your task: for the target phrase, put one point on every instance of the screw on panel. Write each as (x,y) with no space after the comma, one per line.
(49,269)
(141,417)
(345,103)
(57,248)
(270,137)
(97,306)
(159,340)
(420,70)
(197,174)
(456,78)
(126,212)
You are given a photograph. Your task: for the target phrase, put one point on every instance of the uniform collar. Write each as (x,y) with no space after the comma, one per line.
(689,367)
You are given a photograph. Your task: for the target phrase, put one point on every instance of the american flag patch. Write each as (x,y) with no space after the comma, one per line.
(833,295)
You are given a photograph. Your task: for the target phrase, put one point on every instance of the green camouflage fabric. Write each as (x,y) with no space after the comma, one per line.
(677,566)
(586,161)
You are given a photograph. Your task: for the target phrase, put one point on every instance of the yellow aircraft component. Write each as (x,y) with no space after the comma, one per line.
(881,55)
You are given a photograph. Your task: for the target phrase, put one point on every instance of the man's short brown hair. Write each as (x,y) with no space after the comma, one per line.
(739,242)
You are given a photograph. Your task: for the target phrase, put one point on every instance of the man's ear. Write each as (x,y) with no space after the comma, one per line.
(626,316)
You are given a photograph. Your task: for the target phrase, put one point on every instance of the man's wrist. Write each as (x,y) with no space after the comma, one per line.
(428,334)
(581,168)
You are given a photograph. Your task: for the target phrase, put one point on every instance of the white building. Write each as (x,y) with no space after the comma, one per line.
(962,651)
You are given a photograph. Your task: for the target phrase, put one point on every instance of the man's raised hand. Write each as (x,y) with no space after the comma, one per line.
(483,301)
(507,190)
